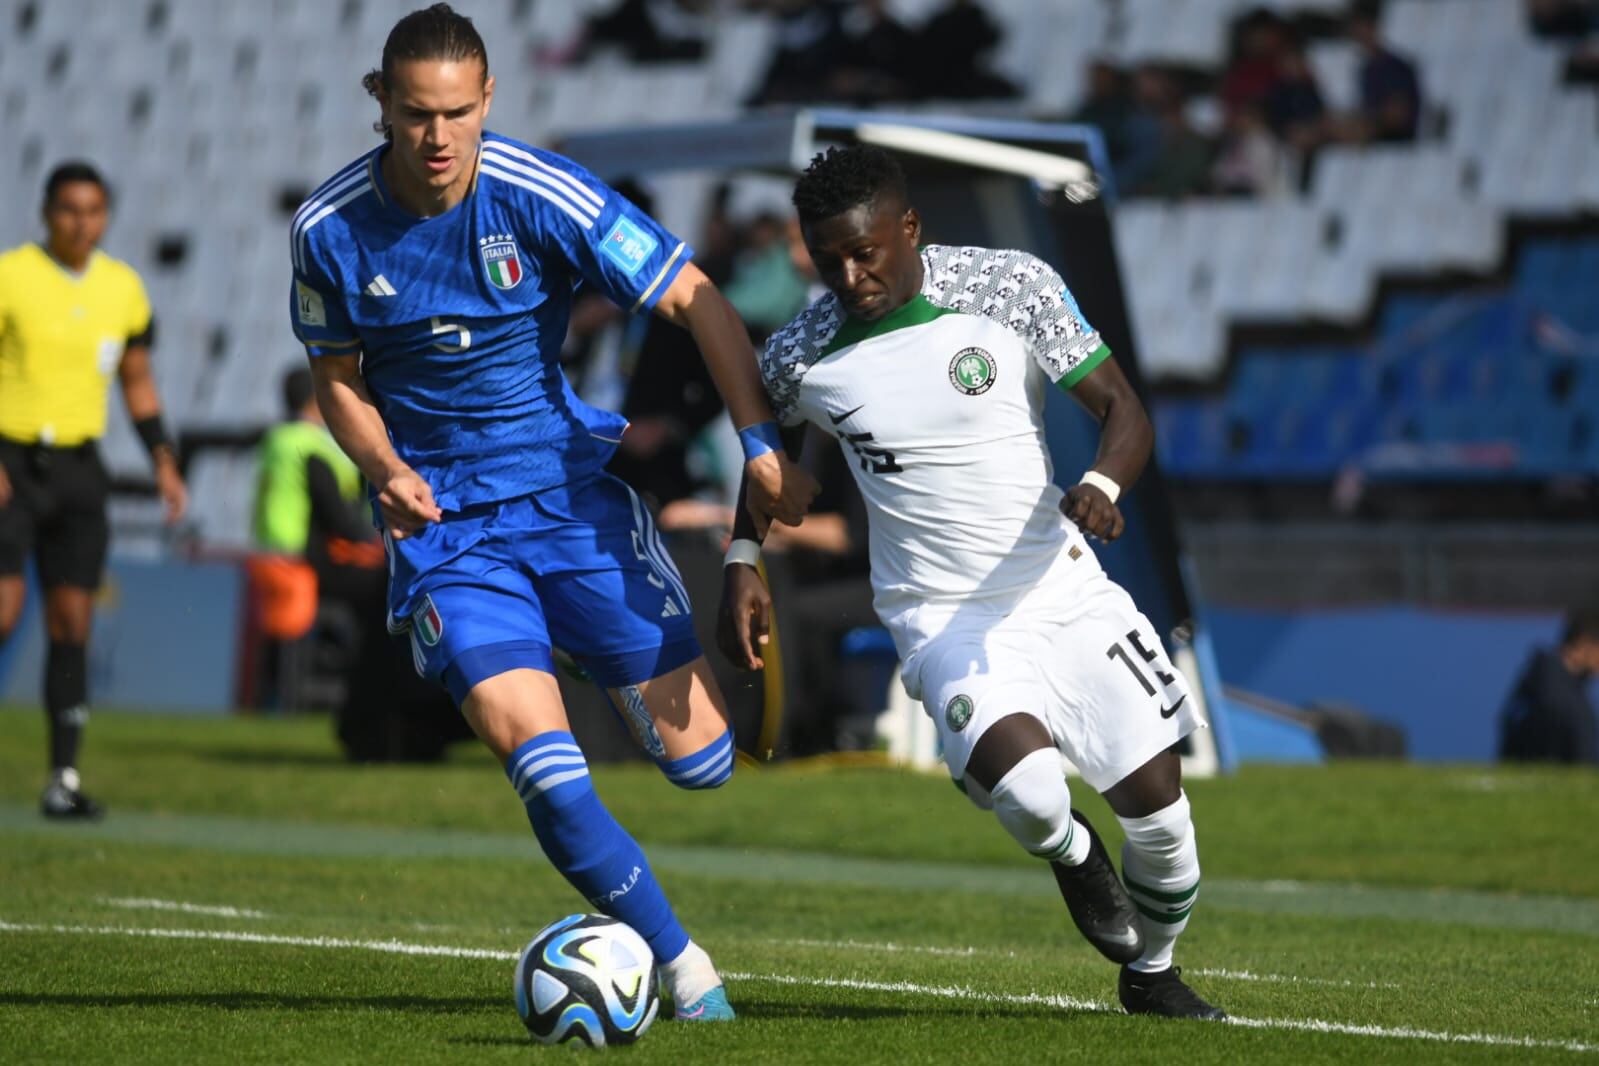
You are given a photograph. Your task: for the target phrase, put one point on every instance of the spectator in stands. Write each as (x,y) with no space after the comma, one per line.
(1390,89)
(771,282)
(874,65)
(809,41)
(1110,108)
(645,31)
(1563,18)
(1576,24)
(1250,162)
(71,317)
(1181,164)
(1549,716)
(951,52)
(1294,107)
(1256,64)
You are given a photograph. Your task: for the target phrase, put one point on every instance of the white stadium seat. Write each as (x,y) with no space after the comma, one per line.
(1516,142)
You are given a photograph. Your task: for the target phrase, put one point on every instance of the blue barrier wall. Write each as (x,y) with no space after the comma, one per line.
(1442,676)
(166,638)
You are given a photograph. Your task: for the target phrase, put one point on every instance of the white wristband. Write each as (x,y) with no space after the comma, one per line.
(1102,483)
(747,552)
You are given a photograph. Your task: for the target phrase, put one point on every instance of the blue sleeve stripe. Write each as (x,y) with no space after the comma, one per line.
(584,203)
(363,187)
(319,199)
(665,271)
(586,221)
(322,191)
(558,176)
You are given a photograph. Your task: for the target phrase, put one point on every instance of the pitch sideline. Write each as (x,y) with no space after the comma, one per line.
(937,991)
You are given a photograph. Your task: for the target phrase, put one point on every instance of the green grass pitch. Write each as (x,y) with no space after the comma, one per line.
(251,898)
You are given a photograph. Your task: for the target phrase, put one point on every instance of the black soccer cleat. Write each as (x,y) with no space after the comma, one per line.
(1163,993)
(68,804)
(1099,903)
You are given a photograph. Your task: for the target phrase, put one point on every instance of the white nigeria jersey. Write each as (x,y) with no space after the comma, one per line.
(939,406)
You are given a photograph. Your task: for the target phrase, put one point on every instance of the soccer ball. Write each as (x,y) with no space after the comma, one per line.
(587,977)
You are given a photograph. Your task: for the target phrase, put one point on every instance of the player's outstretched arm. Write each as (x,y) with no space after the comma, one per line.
(353,419)
(144,411)
(778,489)
(1125,441)
(743,620)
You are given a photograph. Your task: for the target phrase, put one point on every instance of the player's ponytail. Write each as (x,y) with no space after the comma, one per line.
(436,32)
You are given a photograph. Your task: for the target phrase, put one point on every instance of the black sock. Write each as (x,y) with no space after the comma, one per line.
(66,700)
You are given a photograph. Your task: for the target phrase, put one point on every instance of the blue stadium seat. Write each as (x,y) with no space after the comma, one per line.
(1542,264)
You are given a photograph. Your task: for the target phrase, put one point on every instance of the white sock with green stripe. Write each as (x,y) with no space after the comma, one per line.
(1034,804)
(1160,866)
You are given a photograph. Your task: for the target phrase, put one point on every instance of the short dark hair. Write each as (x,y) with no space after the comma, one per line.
(67,173)
(844,178)
(436,32)
(297,390)
(1581,624)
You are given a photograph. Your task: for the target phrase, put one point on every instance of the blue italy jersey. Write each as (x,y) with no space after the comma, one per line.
(459,318)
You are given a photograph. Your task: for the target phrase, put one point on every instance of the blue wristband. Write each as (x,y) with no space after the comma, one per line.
(759,439)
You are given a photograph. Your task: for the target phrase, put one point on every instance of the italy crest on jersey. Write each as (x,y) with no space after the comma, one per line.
(501,261)
(427,622)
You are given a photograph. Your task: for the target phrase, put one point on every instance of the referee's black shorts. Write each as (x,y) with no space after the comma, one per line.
(57,513)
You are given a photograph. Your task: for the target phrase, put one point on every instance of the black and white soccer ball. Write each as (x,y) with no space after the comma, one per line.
(589,978)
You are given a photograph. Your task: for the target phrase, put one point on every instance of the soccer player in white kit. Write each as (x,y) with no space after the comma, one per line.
(931,367)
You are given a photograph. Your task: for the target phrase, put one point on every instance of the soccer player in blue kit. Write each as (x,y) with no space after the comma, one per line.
(433,280)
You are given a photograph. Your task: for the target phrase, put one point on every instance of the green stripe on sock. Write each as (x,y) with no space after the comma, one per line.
(1161,916)
(1057,854)
(1184,896)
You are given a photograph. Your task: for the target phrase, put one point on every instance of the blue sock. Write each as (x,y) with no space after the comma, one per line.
(710,767)
(587,845)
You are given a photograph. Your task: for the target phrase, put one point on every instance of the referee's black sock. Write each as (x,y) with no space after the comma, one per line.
(66,701)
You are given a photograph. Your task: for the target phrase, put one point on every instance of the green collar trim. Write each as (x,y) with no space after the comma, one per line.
(917,311)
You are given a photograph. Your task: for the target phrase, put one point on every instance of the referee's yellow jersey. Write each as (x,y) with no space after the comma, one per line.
(61,338)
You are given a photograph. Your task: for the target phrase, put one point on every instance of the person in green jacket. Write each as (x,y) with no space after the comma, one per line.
(311,504)
(307,490)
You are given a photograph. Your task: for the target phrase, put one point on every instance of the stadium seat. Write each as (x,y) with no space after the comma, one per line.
(218,83)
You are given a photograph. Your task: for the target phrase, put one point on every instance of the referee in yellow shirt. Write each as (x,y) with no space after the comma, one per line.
(71,319)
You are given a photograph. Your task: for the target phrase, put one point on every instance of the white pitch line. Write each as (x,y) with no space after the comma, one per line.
(186,908)
(1288,978)
(1028,999)
(941,991)
(396,947)
(892,948)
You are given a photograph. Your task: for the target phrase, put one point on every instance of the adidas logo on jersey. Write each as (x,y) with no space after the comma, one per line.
(379,286)
(670,610)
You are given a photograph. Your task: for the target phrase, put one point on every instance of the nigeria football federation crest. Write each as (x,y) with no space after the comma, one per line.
(972,371)
(501,261)
(958,712)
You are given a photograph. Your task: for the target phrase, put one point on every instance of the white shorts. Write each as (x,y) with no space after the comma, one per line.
(1086,663)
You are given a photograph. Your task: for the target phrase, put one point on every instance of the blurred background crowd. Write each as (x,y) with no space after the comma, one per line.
(1360,242)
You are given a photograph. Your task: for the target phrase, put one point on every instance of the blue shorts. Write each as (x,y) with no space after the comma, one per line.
(579,567)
